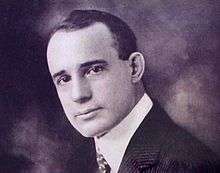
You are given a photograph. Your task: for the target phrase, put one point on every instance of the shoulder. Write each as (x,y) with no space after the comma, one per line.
(182,151)
(159,144)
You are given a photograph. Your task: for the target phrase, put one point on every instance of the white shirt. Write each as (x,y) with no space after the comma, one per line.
(113,144)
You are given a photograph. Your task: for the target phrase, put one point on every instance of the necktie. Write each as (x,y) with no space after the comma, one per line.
(103,165)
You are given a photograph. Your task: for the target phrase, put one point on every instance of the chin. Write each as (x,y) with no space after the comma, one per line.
(94,133)
(88,134)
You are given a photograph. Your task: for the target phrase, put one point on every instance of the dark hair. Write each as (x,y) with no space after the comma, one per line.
(123,35)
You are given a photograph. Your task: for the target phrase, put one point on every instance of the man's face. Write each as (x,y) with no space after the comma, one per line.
(93,84)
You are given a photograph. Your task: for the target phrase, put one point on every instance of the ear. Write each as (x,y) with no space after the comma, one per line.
(137,64)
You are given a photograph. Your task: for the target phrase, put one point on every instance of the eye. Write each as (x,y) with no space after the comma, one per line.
(63,79)
(95,70)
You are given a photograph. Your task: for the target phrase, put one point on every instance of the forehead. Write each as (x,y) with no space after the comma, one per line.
(76,47)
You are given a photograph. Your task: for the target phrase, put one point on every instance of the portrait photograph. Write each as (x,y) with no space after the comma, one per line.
(109,86)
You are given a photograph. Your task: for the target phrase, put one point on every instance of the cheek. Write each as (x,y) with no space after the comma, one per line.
(64,100)
(113,92)
(109,87)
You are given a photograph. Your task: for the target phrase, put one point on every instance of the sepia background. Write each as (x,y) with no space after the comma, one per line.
(179,39)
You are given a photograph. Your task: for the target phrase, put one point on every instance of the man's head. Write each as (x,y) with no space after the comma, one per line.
(124,38)
(96,70)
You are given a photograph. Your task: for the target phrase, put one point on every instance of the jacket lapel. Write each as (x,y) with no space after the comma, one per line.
(143,150)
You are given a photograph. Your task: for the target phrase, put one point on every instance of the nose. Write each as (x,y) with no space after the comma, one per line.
(81,91)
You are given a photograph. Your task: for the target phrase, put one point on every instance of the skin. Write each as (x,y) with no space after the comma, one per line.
(97,90)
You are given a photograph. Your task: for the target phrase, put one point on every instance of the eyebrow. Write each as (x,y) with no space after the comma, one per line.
(58,73)
(90,63)
(83,65)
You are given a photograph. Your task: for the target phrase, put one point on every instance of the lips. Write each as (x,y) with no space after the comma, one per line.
(87,112)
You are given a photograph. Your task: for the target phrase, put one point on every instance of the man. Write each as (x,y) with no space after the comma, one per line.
(97,70)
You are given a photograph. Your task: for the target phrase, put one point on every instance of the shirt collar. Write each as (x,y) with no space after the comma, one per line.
(113,144)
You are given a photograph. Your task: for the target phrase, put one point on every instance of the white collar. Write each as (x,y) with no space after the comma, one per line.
(113,144)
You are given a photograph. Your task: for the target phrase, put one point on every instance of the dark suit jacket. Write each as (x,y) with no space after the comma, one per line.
(159,145)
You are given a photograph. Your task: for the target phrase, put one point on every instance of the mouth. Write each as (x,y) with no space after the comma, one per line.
(87,114)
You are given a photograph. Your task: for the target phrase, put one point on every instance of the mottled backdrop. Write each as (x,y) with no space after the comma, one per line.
(179,39)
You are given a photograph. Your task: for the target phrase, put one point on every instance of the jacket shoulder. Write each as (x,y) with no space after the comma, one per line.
(182,151)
